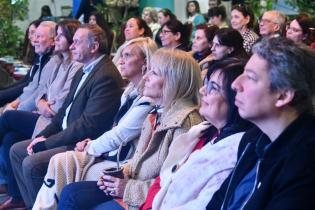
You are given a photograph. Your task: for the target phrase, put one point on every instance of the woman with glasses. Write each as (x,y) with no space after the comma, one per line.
(299,29)
(164,15)
(242,20)
(175,35)
(200,160)
(172,83)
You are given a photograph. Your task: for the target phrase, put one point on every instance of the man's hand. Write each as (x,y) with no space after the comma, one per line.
(44,108)
(35,141)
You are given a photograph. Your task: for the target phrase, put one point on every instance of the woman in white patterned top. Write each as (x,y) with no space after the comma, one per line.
(242,19)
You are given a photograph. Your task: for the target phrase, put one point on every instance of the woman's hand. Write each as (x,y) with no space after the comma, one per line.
(112,186)
(81,145)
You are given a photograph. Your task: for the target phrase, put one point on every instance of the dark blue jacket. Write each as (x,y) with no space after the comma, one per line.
(286,170)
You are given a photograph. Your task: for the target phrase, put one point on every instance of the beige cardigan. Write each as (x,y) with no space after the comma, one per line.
(151,152)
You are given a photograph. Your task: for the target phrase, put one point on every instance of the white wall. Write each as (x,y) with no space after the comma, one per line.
(35,10)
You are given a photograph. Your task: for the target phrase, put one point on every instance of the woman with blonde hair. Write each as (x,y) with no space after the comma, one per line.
(172,83)
(71,166)
(150,16)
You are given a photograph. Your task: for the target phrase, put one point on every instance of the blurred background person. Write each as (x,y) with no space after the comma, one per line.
(29,41)
(242,20)
(217,16)
(45,13)
(272,23)
(193,15)
(135,27)
(98,18)
(299,29)
(227,43)
(175,34)
(164,15)
(202,43)
(150,16)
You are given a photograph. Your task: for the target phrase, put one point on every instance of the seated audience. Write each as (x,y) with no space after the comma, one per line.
(43,44)
(172,83)
(275,168)
(53,94)
(242,20)
(299,29)
(207,153)
(272,23)
(175,35)
(150,16)
(202,42)
(217,16)
(17,125)
(88,111)
(127,127)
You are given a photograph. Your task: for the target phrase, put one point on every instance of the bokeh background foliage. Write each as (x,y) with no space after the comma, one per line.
(11,37)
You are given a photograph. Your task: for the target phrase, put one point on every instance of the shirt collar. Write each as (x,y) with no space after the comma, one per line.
(88,68)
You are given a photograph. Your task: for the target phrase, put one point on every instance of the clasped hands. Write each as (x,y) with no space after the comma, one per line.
(112,186)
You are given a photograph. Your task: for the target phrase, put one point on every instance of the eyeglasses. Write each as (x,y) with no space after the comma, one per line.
(165,31)
(295,30)
(264,21)
(212,87)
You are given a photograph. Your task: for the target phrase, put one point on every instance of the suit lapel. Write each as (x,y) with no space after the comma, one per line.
(96,68)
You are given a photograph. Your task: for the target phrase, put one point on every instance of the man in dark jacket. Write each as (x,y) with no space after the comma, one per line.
(276,163)
(87,112)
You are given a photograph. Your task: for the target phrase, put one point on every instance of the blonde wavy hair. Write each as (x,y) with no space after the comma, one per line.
(146,47)
(181,73)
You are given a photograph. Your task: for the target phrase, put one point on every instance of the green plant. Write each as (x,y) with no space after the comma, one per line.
(11,37)
(259,7)
(307,6)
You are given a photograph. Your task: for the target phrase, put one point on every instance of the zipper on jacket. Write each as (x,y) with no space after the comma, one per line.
(227,190)
(253,190)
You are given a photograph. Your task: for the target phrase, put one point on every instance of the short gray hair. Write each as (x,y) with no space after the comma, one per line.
(290,67)
(280,19)
(52,27)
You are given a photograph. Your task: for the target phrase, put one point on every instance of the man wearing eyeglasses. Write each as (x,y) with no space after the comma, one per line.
(272,23)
